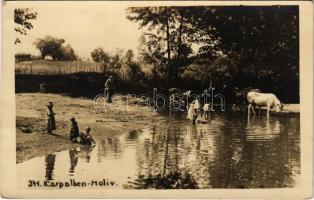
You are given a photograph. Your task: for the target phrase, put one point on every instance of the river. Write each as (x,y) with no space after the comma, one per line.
(231,151)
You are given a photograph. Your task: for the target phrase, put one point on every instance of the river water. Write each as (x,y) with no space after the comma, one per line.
(231,151)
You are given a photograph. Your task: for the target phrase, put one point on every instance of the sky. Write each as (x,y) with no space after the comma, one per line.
(83,27)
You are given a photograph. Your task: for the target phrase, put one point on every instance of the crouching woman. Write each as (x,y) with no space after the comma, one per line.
(86,137)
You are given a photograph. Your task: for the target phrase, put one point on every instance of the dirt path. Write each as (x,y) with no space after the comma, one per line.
(32,139)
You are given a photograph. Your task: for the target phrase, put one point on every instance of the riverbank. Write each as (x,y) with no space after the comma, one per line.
(32,139)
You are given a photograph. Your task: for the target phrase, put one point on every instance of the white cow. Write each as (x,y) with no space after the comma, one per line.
(263,99)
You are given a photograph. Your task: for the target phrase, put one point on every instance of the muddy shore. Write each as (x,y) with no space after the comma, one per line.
(32,139)
(123,116)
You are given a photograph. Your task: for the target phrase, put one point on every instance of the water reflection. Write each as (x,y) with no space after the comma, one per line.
(263,128)
(73,160)
(228,152)
(50,163)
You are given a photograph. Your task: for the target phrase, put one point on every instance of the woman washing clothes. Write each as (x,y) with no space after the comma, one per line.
(193,111)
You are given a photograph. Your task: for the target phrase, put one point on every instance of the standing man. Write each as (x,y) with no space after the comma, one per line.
(109,89)
(51,121)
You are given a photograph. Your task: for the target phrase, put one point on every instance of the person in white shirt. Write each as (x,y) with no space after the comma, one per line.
(206,111)
(192,112)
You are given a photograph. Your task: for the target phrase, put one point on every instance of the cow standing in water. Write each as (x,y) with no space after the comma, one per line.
(263,99)
(240,97)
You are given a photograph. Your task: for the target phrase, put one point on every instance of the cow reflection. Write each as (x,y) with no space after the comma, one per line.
(263,129)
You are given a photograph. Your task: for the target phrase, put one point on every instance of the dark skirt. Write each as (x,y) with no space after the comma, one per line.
(51,124)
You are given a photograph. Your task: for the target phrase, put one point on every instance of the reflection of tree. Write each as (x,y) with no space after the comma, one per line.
(220,154)
(73,160)
(50,163)
(150,154)
(172,180)
(221,169)
(201,155)
(255,162)
(109,147)
(175,149)
(159,159)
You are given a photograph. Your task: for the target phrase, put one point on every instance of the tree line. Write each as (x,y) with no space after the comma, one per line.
(233,46)
(228,46)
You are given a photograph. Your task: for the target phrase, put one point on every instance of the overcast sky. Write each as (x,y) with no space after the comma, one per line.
(83,27)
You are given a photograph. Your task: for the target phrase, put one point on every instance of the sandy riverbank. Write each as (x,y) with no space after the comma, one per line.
(32,139)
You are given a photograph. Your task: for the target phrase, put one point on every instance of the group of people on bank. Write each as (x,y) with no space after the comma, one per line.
(83,137)
(75,136)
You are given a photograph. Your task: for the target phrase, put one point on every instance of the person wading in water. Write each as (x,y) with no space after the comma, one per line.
(51,121)
(192,112)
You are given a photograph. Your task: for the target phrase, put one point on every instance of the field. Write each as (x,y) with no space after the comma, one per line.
(49,67)
(55,67)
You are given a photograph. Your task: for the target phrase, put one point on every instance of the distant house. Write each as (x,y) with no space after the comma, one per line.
(22,57)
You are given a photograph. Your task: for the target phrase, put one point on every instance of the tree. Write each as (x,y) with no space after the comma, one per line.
(99,55)
(110,63)
(168,39)
(120,63)
(50,46)
(133,69)
(262,41)
(68,53)
(22,18)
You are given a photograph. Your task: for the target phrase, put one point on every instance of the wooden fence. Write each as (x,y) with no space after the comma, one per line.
(47,67)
